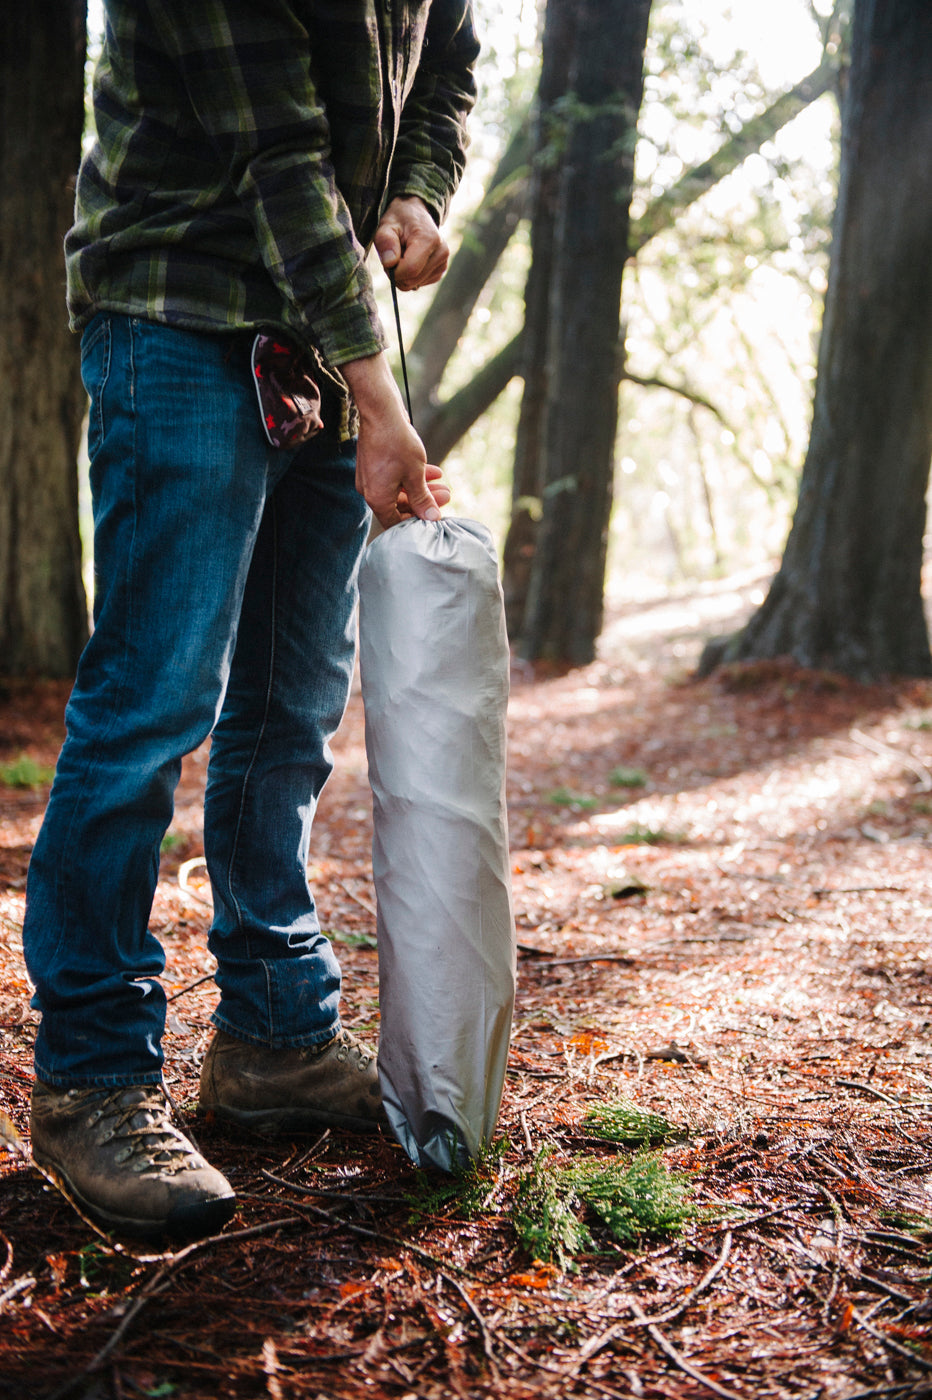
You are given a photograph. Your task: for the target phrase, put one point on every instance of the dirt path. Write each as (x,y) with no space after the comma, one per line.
(723,897)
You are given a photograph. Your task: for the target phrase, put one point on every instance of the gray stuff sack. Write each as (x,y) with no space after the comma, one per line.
(434,664)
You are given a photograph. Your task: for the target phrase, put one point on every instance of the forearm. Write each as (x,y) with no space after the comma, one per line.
(391,464)
(431,149)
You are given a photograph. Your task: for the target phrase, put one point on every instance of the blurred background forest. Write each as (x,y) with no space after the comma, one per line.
(749,170)
(722,308)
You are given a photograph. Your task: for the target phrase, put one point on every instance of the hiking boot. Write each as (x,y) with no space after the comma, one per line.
(119,1159)
(333,1085)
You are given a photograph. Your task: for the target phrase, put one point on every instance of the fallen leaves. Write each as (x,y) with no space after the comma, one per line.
(762,984)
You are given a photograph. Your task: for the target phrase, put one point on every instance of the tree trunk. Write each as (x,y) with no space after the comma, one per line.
(442,424)
(43,611)
(527,480)
(847,596)
(484,241)
(448,421)
(582,363)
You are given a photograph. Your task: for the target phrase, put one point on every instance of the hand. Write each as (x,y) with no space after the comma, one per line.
(392,471)
(408,241)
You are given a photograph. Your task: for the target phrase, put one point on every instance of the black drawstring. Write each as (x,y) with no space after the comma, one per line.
(401,347)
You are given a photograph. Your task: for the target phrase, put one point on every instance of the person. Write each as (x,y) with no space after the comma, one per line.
(246,158)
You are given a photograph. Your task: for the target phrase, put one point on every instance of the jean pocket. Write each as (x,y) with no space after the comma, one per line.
(96,343)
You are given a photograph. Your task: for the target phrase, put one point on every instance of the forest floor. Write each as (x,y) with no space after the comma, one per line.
(723,896)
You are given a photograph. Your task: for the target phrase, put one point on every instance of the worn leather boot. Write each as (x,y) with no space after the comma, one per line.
(331,1085)
(116,1155)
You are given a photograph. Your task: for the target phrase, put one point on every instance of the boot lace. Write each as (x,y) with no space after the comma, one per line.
(137,1120)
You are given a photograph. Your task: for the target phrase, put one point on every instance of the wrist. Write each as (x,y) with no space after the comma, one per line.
(372,386)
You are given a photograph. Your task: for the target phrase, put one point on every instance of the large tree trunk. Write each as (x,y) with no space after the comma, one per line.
(527,480)
(43,612)
(580,409)
(847,595)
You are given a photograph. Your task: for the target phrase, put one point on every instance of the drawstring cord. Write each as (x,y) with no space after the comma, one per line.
(401,347)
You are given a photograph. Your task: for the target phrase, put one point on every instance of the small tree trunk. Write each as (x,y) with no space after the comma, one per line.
(583,365)
(43,611)
(847,595)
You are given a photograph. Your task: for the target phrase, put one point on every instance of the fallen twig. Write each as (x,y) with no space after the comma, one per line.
(208,977)
(885,751)
(380,1235)
(597,1344)
(670,1313)
(363,903)
(874,1284)
(156,1284)
(529,1142)
(869,1089)
(670,1350)
(312,1190)
(537,1365)
(889,1342)
(547,960)
(487,1347)
(20,1285)
(184,870)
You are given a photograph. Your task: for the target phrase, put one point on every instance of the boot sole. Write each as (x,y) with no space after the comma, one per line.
(271,1121)
(193,1221)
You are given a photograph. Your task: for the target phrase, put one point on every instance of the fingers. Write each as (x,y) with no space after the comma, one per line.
(438,489)
(413,490)
(409,241)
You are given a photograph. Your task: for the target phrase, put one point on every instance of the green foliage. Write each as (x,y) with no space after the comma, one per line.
(171,841)
(628,778)
(910,1221)
(467,1191)
(643,1198)
(630,1199)
(578,801)
(546,1216)
(622,1121)
(103,1272)
(24,772)
(352,939)
(639,835)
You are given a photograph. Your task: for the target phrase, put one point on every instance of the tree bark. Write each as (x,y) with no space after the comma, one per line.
(484,240)
(847,596)
(43,611)
(582,364)
(559,39)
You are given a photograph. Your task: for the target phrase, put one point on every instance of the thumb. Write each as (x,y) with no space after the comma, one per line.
(388,245)
(420,499)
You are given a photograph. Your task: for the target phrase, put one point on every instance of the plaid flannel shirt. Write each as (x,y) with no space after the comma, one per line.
(245,150)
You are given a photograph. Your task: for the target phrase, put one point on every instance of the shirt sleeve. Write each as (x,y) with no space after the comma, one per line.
(431,149)
(247,71)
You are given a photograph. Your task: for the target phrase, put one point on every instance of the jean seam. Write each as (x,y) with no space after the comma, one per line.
(234,848)
(64,875)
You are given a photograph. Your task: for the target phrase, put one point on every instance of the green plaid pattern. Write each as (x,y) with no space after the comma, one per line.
(245,150)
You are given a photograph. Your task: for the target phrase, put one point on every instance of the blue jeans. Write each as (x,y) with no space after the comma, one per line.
(225,597)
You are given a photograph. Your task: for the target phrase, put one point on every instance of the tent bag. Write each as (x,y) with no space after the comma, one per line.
(434,664)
